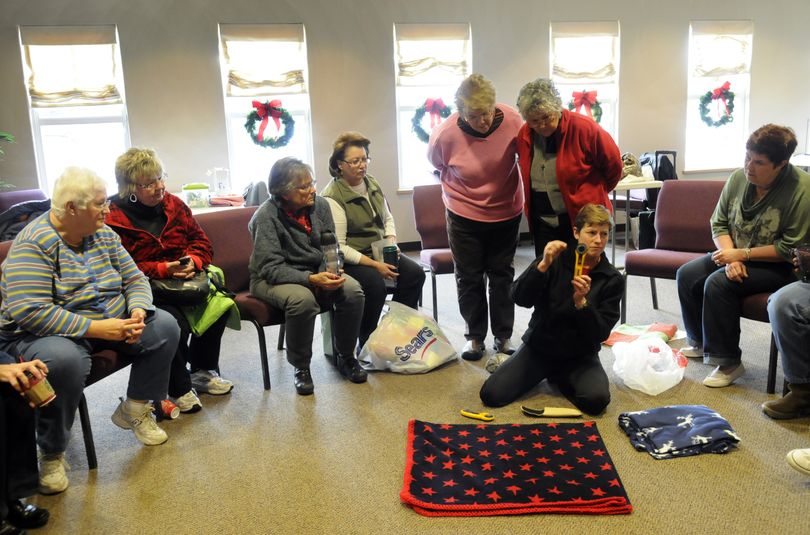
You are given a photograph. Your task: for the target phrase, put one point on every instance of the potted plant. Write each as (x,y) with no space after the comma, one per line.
(5,136)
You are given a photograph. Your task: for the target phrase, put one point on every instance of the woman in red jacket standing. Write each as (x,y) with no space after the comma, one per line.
(165,240)
(566,162)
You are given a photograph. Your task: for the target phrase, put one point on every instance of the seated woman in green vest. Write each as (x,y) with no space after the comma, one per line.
(362,216)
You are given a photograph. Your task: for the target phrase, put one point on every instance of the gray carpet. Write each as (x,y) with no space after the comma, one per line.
(275,462)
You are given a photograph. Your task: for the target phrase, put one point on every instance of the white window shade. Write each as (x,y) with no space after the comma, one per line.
(71,66)
(431,54)
(721,48)
(585,51)
(264,59)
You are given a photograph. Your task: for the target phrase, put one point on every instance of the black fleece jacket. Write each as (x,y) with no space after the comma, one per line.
(557,329)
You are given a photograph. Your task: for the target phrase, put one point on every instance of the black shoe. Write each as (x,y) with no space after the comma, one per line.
(26,516)
(303,382)
(8,529)
(473,350)
(350,369)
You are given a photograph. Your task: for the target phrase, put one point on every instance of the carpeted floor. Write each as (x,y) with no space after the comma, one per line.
(275,462)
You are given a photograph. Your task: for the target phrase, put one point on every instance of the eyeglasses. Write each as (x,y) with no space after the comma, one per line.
(152,186)
(306,187)
(102,205)
(357,162)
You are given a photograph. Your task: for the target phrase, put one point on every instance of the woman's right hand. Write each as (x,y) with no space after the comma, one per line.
(179,270)
(386,271)
(115,329)
(550,253)
(14,374)
(326,281)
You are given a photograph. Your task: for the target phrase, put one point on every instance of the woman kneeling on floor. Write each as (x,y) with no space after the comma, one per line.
(573,314)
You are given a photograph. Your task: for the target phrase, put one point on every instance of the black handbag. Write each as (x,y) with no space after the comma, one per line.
(181,292)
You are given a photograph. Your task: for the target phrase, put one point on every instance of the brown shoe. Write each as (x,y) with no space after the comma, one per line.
(794,405)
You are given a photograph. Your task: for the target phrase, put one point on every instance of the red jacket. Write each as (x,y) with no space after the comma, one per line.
(180,237)
(589,163)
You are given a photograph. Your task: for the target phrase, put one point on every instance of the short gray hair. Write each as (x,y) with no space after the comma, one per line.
(475,93)
(78,185)
(284,173)
(539,96)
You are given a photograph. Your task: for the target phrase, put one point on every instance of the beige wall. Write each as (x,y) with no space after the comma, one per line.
(174,97)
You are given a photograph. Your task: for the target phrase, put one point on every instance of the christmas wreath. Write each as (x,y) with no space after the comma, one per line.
(723,94)
(587,100)
(264,112)
(438,110)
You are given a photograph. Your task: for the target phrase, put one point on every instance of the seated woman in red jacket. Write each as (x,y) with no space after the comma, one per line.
(164,239)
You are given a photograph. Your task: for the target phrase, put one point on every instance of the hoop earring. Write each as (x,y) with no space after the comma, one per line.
(133,198)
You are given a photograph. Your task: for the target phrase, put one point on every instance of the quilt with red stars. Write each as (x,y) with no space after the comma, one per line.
(510,469)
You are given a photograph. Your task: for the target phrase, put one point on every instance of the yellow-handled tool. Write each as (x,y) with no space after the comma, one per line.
(483,416)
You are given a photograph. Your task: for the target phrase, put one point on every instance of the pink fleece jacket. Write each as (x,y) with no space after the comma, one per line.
(480,179)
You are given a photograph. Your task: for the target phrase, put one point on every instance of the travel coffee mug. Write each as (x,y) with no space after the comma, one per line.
(40,392)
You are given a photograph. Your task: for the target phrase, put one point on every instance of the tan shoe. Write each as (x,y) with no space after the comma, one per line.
(794,405)
(800,460)
(720,379)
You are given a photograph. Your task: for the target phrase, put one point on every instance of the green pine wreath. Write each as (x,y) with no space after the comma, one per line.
(419,113)
(721,93)
(596,109)
(286,133)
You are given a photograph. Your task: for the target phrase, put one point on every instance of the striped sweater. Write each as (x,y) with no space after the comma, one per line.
(50,290)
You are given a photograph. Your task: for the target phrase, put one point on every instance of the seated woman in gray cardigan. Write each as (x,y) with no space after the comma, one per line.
(287,270)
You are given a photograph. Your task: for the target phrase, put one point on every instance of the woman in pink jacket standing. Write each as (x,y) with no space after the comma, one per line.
(474,151)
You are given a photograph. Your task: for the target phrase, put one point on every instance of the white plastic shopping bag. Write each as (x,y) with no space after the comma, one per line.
(406,341)
(648,364)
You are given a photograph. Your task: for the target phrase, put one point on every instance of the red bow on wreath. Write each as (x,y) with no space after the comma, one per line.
(718,95)
(433,107)
(584,98)
(266,111)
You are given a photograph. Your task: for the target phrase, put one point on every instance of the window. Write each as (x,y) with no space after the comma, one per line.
(76,98)
(430,61)
(585,68)
(261,64)
(719,64)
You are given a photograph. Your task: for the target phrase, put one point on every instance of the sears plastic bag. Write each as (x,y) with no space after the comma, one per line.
(648,365)
(406,341)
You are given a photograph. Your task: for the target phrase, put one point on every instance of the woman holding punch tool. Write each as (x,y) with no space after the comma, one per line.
(573,314)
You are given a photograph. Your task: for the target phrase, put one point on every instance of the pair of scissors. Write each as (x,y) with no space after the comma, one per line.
(483,416)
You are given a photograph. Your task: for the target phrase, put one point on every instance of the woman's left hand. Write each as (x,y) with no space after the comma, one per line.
(736,271)
(582,285)
(134,334)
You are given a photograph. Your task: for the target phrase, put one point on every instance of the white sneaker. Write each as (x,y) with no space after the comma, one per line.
(52,477)
(719,379)
(503,345)
(188,402)
(139,418)
(800,460)
(209,382)
(692,352)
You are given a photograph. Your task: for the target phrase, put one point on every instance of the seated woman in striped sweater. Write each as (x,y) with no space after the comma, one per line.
(69,290)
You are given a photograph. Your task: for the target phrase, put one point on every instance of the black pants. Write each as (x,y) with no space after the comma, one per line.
(484,251)
(201,352)
(19,476)
(580,379)
(542,232)
(408,289)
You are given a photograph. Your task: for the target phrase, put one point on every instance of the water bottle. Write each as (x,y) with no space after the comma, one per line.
(333,260)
